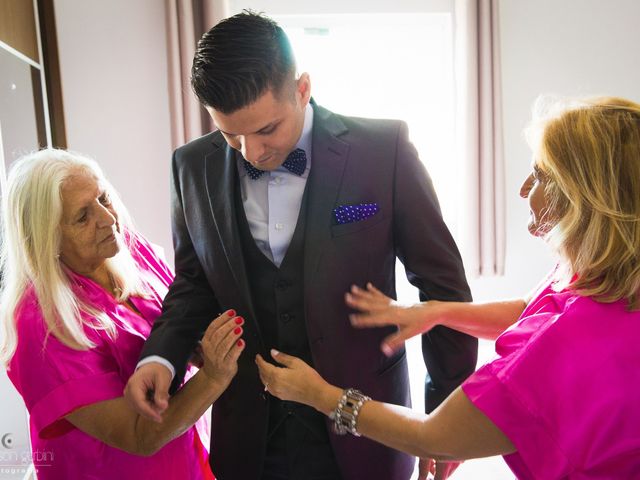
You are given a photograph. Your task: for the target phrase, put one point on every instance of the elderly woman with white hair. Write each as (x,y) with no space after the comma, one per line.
(80,292)
(561,399)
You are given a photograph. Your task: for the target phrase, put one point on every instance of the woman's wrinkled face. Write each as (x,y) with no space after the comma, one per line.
(533,189)
(89,225)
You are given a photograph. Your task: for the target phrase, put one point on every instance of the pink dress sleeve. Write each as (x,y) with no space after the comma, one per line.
(565,391)
(56,380)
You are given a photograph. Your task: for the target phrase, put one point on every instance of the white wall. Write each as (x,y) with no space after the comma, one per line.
(113,65)
(568,47)
(114,83)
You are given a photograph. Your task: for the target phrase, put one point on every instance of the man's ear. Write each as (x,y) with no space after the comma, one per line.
(303,89)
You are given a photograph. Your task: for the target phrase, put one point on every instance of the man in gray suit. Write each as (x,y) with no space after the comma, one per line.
(276,215)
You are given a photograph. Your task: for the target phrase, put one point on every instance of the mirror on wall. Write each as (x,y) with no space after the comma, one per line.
(22,123)
(31,118)
(22,130)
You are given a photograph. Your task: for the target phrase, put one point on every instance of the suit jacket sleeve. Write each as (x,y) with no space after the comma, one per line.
(433,265)
(190,304)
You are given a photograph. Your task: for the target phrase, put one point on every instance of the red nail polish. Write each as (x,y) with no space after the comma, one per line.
(240,342)
(237,330)
(239,320)
(231,313)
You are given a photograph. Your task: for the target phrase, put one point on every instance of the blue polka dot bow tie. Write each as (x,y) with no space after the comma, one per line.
(296,162)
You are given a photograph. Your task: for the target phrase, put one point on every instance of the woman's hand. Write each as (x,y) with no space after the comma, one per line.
(221,347)
(295,381)
(196,357)
(378,310)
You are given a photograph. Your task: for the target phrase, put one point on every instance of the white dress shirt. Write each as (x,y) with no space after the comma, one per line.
(272,202)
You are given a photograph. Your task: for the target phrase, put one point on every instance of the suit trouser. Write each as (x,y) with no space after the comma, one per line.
(297,452)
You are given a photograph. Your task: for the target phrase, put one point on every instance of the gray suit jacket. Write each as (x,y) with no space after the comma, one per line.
(354,161)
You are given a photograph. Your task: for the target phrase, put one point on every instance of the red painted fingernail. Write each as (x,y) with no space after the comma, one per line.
(240,342)
(231,313)
(239,320)
(237,330)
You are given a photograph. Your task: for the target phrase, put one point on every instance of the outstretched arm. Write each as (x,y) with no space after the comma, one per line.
(456,430)
(115,422)
(481,320)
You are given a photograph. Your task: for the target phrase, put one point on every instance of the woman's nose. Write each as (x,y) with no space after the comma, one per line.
(525,188)
(106,217)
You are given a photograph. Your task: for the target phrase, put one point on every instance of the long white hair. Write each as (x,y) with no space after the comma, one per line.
(29,253)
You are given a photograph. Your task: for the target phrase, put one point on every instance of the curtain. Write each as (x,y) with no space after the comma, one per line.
(187,21)
(479,136)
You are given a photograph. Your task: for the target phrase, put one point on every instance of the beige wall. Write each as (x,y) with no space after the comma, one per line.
(113,63)
(114,83)
(568,47)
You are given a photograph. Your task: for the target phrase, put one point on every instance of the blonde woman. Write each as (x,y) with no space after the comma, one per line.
(561,399)
(80,292)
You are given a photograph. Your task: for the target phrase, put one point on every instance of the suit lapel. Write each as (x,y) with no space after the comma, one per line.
(221,180)
(329,158)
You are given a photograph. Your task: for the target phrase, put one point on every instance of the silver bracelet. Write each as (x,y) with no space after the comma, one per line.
(345,416)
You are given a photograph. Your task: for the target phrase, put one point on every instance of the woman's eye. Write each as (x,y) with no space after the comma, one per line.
(82,219)
(105,200)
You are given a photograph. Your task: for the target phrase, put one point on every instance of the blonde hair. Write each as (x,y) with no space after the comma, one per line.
(29,254)
(589,153)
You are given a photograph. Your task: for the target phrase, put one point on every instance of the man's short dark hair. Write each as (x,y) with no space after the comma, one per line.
(239,59)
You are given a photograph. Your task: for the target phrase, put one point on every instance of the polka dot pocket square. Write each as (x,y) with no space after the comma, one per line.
(354,213)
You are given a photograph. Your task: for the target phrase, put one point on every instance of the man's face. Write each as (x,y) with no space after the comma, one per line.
(267,130)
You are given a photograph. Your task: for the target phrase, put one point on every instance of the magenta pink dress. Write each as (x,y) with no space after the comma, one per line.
(55,380)
(565,389)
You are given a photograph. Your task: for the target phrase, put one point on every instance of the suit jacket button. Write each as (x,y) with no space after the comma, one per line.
(285,317)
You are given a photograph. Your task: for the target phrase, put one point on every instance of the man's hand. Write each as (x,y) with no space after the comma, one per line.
(444,469)
(439,470)
(148,390)
(426,466)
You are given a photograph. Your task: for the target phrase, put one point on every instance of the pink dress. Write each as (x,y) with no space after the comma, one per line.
(55,380)
(565,389)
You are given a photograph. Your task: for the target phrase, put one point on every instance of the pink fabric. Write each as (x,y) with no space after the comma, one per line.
(55,380)
(565,389)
